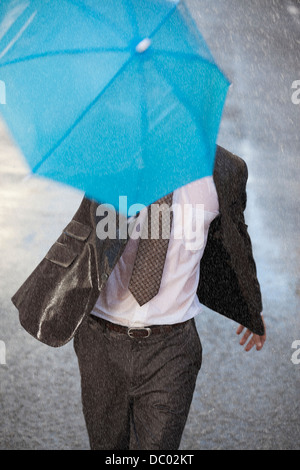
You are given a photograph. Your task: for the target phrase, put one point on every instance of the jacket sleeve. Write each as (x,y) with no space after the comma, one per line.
(228,281)
(239,207)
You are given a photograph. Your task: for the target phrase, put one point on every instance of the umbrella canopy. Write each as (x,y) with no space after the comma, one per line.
(116,98)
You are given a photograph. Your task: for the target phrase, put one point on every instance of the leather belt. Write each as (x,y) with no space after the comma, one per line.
(139,332)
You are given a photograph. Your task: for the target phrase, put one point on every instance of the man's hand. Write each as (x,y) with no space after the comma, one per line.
(255,340)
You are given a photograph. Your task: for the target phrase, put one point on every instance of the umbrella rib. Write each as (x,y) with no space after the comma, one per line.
(162,22)
(143,109)
(190,56)
(183,55)
(99,16)
(18,35)
(177,92)
(132,16)
(82,115)
(186,56)
(98,50)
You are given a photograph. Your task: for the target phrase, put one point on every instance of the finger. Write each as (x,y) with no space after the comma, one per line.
(260,341)
(250,344)
(245,337)
(263,340)
(257,341)
(239,330)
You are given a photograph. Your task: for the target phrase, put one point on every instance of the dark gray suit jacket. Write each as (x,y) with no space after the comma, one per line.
(64,287)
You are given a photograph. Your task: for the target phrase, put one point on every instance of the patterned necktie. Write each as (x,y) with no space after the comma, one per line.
(150,259)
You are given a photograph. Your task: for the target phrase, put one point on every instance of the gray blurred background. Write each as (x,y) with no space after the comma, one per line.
(242,400)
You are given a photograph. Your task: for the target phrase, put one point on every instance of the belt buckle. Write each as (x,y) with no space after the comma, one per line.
(130,331)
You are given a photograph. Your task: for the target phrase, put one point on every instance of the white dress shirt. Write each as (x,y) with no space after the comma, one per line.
(194,208)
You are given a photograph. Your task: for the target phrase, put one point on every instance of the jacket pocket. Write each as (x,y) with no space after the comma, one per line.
(69,245)
(63,288)
(78,231)
(61,255)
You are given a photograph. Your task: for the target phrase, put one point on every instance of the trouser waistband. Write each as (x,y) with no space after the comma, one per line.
(139,332)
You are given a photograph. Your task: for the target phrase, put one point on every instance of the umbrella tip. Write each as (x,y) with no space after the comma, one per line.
(143,45)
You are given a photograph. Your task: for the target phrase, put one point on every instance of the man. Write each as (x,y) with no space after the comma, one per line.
(138,349)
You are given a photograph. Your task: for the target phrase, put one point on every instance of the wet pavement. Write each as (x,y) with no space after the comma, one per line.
(242,400)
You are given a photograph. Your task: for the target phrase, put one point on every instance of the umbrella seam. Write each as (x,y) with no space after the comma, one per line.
(191,57)
(144,118)
(82,115)
(132,18)
(98,16)
(170,13)
(178,93)
(18,35)
(186,55)
(64,52)
(179,96)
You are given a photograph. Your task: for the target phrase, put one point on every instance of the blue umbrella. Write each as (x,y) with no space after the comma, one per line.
(115,98)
